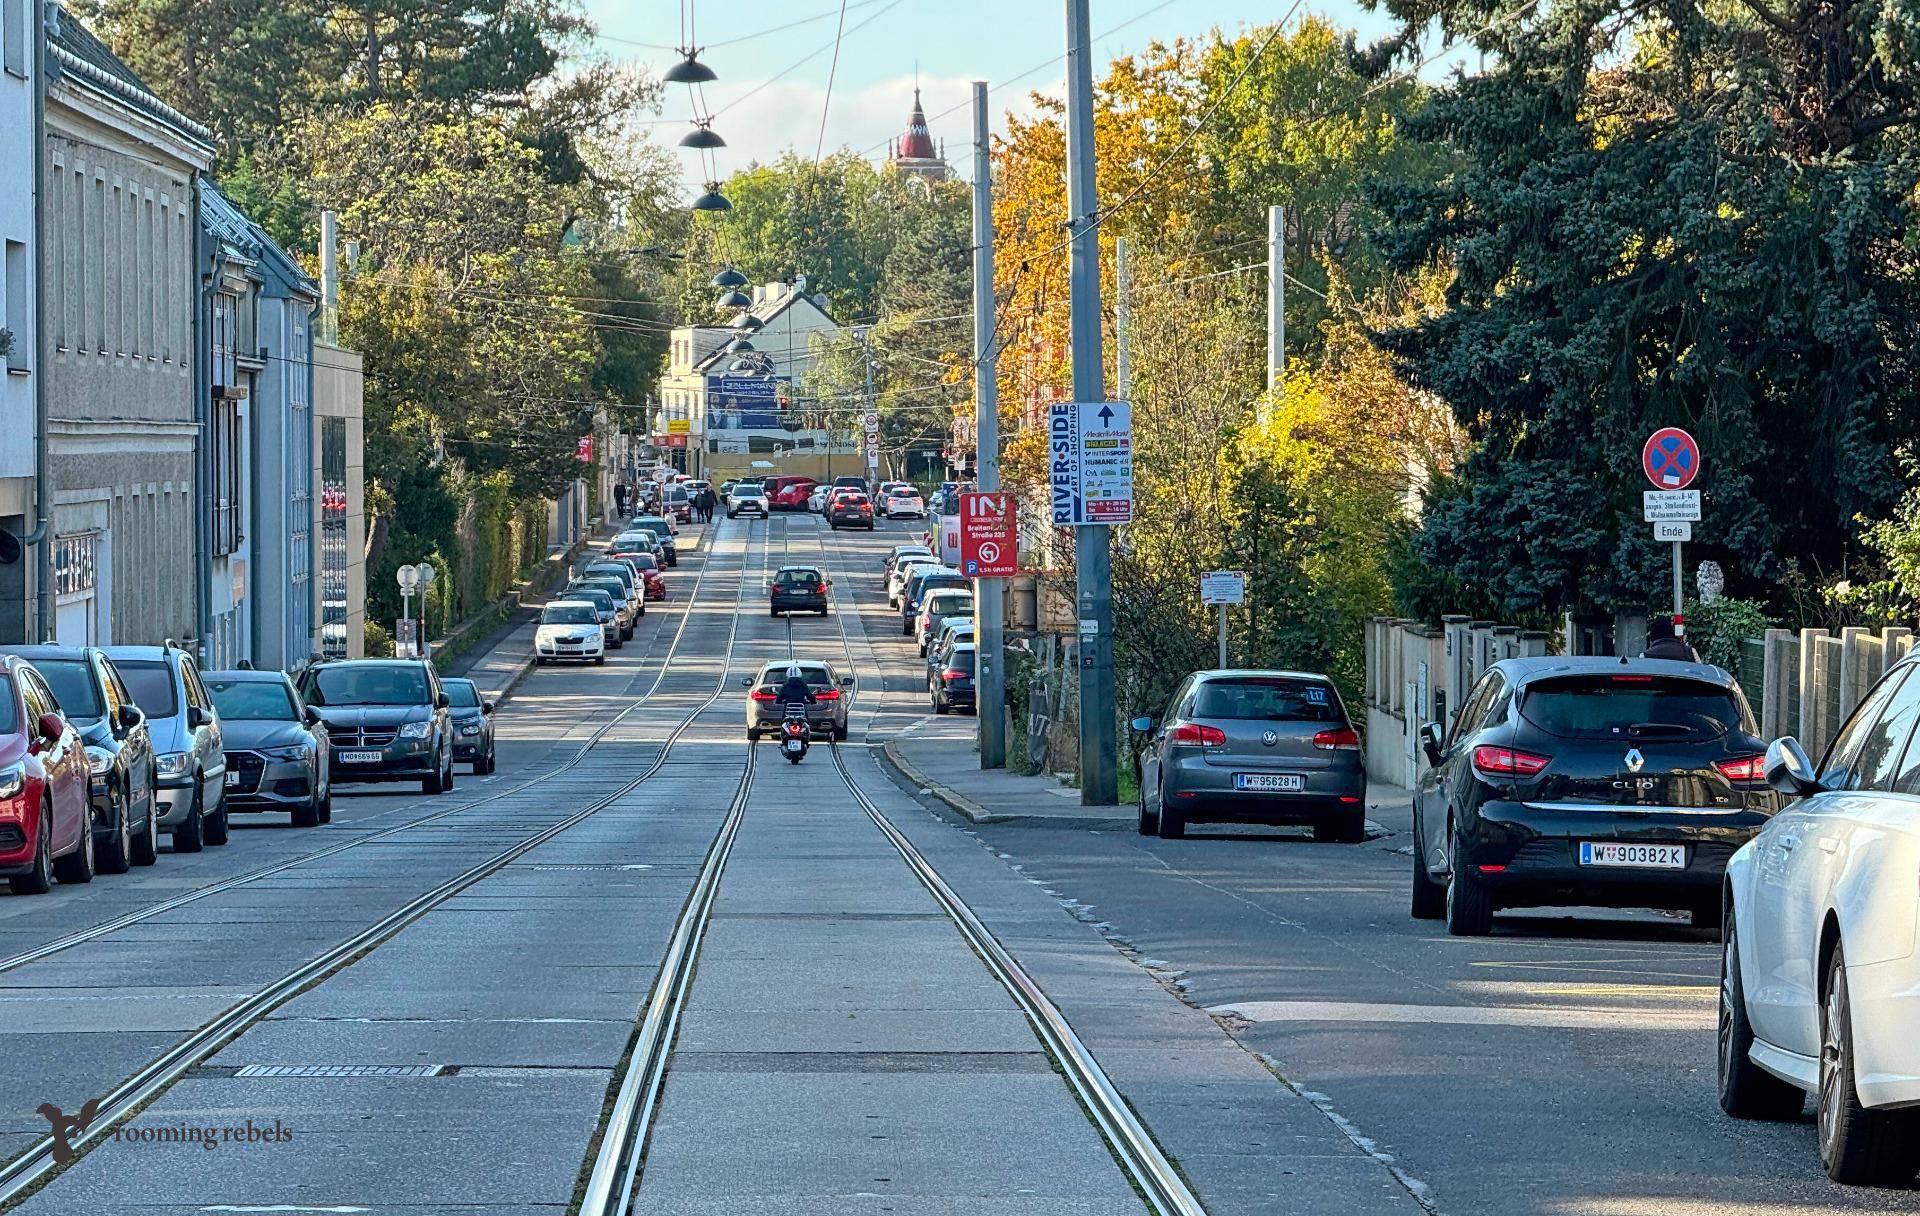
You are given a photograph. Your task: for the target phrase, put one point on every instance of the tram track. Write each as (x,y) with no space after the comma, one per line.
(28,1171)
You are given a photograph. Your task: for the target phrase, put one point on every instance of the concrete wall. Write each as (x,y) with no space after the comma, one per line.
(117,349)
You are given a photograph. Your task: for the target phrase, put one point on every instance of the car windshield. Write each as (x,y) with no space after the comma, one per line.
(254,700)
(73,686)
(569,614)
(644,561)
(9,709)
(462,694)
(151,683)
(1267,699)
(1622,704)
(949,604)
(593,595)
(620,572)
(961,660)
(800,578)
(381,685)
(817,675)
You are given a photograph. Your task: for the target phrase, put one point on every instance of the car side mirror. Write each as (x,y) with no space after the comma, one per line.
(846,681)
(130,716)
(440,701)
(311,716)
(50,727)
(746,681)
(196,717)
(1143,724)
(1433,738)
(488,706)
(1788,769)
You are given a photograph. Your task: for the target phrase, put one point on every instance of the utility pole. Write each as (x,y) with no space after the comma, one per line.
(1092,551)
(990,605)
(1276,302)
(1122,318)
(869,436)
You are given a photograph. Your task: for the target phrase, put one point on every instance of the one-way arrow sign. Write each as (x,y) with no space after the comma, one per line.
(1106,415)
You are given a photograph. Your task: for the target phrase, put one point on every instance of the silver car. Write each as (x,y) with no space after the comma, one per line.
(826,716)
(190,761)
(1253,747)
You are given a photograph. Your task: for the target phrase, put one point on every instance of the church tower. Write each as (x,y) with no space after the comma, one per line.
(914,152)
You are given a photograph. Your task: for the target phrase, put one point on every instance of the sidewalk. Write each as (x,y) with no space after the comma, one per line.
(942,759)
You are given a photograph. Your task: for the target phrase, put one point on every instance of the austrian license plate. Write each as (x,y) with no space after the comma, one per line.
(1633,856)
(1286,783)
(359,757)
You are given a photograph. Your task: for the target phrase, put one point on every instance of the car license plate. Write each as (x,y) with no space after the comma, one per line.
(360,757)
(1286,783)
(1633,856)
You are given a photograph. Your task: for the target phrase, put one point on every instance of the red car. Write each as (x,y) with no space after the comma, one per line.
(789,493)
(652,582)
(46,819)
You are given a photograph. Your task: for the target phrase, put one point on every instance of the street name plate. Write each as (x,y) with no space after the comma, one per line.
(1671,506)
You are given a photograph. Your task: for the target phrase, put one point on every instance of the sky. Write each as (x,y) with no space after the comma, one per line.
(888,46)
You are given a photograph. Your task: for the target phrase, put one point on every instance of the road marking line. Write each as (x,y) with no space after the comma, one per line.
(1560,1017)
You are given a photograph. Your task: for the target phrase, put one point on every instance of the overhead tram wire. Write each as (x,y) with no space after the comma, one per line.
(809,57)
(833,70)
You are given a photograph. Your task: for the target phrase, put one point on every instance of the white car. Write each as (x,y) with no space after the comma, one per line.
(1820,980)
(817,500)
(905,504)
(898,575)
(569,629)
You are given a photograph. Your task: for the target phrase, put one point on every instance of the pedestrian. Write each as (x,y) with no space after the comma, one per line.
(1664,643)
(706,502)
(620,498)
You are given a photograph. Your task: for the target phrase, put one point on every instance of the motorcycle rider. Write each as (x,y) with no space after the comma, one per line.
(794,690)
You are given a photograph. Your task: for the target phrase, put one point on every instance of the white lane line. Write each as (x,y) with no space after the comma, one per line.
(1551,1016)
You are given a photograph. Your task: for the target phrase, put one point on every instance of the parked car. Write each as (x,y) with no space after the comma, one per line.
(386,720)
(625,570)
(747,500)
(45,805)
(120,760)
(921,581)
(606,607)
(817,500)
(1819,975)
(950,686)
(797,589)
(899,552)
(953,630)
(852,482)
(850,510)
(902,570)
(828,713)
(626,611)
(1591,781)
(190,767)
(1236,746)
(472,717)
(277,749)
(653,583)
(789,492)
(569,629)
(948,601)
(904,504)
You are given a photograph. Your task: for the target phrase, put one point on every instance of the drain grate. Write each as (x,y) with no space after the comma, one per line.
(585,866)
(341,1070)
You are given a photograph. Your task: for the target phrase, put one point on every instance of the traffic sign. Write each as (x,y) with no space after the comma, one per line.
(1223,587)
(1666,530)
(989,535)
(1670,506)
(1090,462)
(1670,459)
(408,577)
(870,420)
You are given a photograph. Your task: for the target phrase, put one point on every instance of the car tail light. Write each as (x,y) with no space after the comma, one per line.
(827,694)
(1746,768)
(1341,740)
(953,675)
(1505,762)
(761,695)
(1192,734)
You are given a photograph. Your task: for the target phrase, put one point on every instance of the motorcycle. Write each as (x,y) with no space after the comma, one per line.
(794,734)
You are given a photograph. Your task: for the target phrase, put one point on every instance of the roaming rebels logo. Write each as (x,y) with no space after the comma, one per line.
(68,1127)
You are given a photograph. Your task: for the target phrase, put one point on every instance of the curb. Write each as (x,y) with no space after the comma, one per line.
(953,798)
(513,681)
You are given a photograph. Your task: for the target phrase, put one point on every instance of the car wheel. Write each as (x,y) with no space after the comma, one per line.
(38,880)
(600,660)
(326,806)
(1172,825)
(116,856)
(191,834)
(216,830)
(1747,1091)
(432,783)
(1706,916)
(1469,909)
(773,612)
(1149,821)
(77,867)
(146,845)
(906,628)
(1346,827)
(939,705)
(447,775)
(1429,897)
(840,732)
(1857,1145)
(307,814)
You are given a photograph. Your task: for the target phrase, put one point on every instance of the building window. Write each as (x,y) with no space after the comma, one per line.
(226,476)
(18,303)
(226,320)
(333,538)
(17,36)
(76,563)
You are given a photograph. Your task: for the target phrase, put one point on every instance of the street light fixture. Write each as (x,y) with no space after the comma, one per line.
(729,277)
(702,136)
(712,200)
(689,70)
(734,299)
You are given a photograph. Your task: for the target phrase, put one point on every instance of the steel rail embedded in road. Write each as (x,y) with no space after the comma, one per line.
(98,931)
(25,1172)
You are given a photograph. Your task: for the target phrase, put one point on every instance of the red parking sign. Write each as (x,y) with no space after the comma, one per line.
(989,536)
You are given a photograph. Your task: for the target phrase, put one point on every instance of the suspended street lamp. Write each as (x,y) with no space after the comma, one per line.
(734,299)
(702,136)
(729,278)
(689,70)
(712,200)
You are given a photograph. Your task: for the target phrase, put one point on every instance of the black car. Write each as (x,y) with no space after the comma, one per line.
(950,686)
(95,699)
(662,530)
(472,717)
(1587,781)
(386,720)
(276,746)
(798,589)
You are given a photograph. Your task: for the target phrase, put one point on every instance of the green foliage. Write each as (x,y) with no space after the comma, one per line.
(378,642)
(1716,630)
